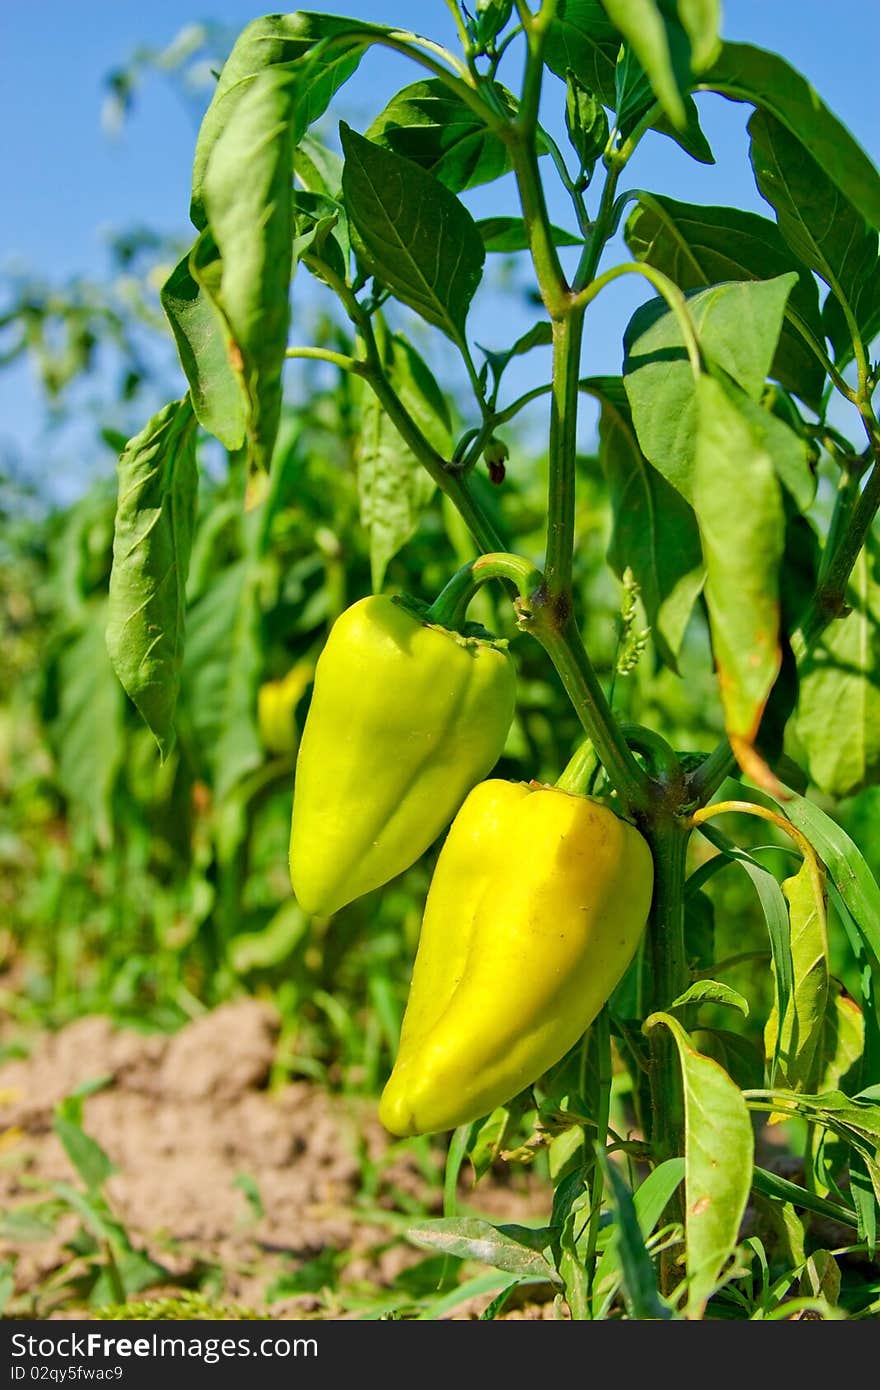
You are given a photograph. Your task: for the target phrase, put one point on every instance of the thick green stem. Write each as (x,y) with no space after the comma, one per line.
(600,1040)
(666,959)
(704,782)
(553,625)
(558,634)
(602,228)
(548,268)
(567,336)
(520,137)
(668,837)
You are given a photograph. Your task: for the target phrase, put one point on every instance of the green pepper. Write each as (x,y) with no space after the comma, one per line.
(536,907)
(406,716)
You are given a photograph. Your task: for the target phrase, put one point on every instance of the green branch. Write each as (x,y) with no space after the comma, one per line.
(665,287)
(337,359)
(562,453)
(447,477)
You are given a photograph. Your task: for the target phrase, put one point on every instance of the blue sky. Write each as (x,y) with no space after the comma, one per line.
(67,182)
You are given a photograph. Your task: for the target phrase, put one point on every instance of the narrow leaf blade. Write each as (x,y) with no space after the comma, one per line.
(214,390)
(249,204)
(719,1152)
(743,549)
(155,517)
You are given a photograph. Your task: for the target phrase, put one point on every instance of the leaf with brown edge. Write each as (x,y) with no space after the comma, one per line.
(743,547)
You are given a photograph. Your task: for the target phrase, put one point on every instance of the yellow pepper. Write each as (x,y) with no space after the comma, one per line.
(276,708)
(536,907)
(406,716)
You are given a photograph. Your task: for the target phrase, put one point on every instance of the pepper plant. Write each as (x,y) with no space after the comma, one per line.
(740,449)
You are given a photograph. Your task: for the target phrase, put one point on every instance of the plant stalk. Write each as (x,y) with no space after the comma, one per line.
(666,960)
(567,337)
(557,631)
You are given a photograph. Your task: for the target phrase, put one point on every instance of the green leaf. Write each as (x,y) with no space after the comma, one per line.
(394,487)
(155,516)
(86,1155)
(489,1139)
(654,530)
(434,128)
(867,315)
(821,226)
(855,1120)
(698,246)
(781,1189)
(740,1056)
(201,346)
(26,1223)
(865,1199)
(701,20)
(570,1223)
(843,1039)
(515,1249)
(845,864)
(773,907)
(743,548)
(799,1048)
(653,1196)
(738,326)
(539,335)
(88,730)
(137,1272)
(586,122)
(320,229)
(712,992)
(271,41)
(91,1208)
(644,28)
(224,665)
(582,39)
(650,1200)
(247,192)
(491,17)
(261,950)
(318,168)
(790,452)
(509,234)
(838,714)
(745,73)
(868,967)
(638,1276)
(635,98)
(821,1278)
(691,137)
(719,1150)
(411,233)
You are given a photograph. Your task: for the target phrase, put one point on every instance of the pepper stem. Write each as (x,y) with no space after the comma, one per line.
(579,770)
(450,607)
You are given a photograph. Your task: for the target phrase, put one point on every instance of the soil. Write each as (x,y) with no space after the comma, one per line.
(227,1184)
